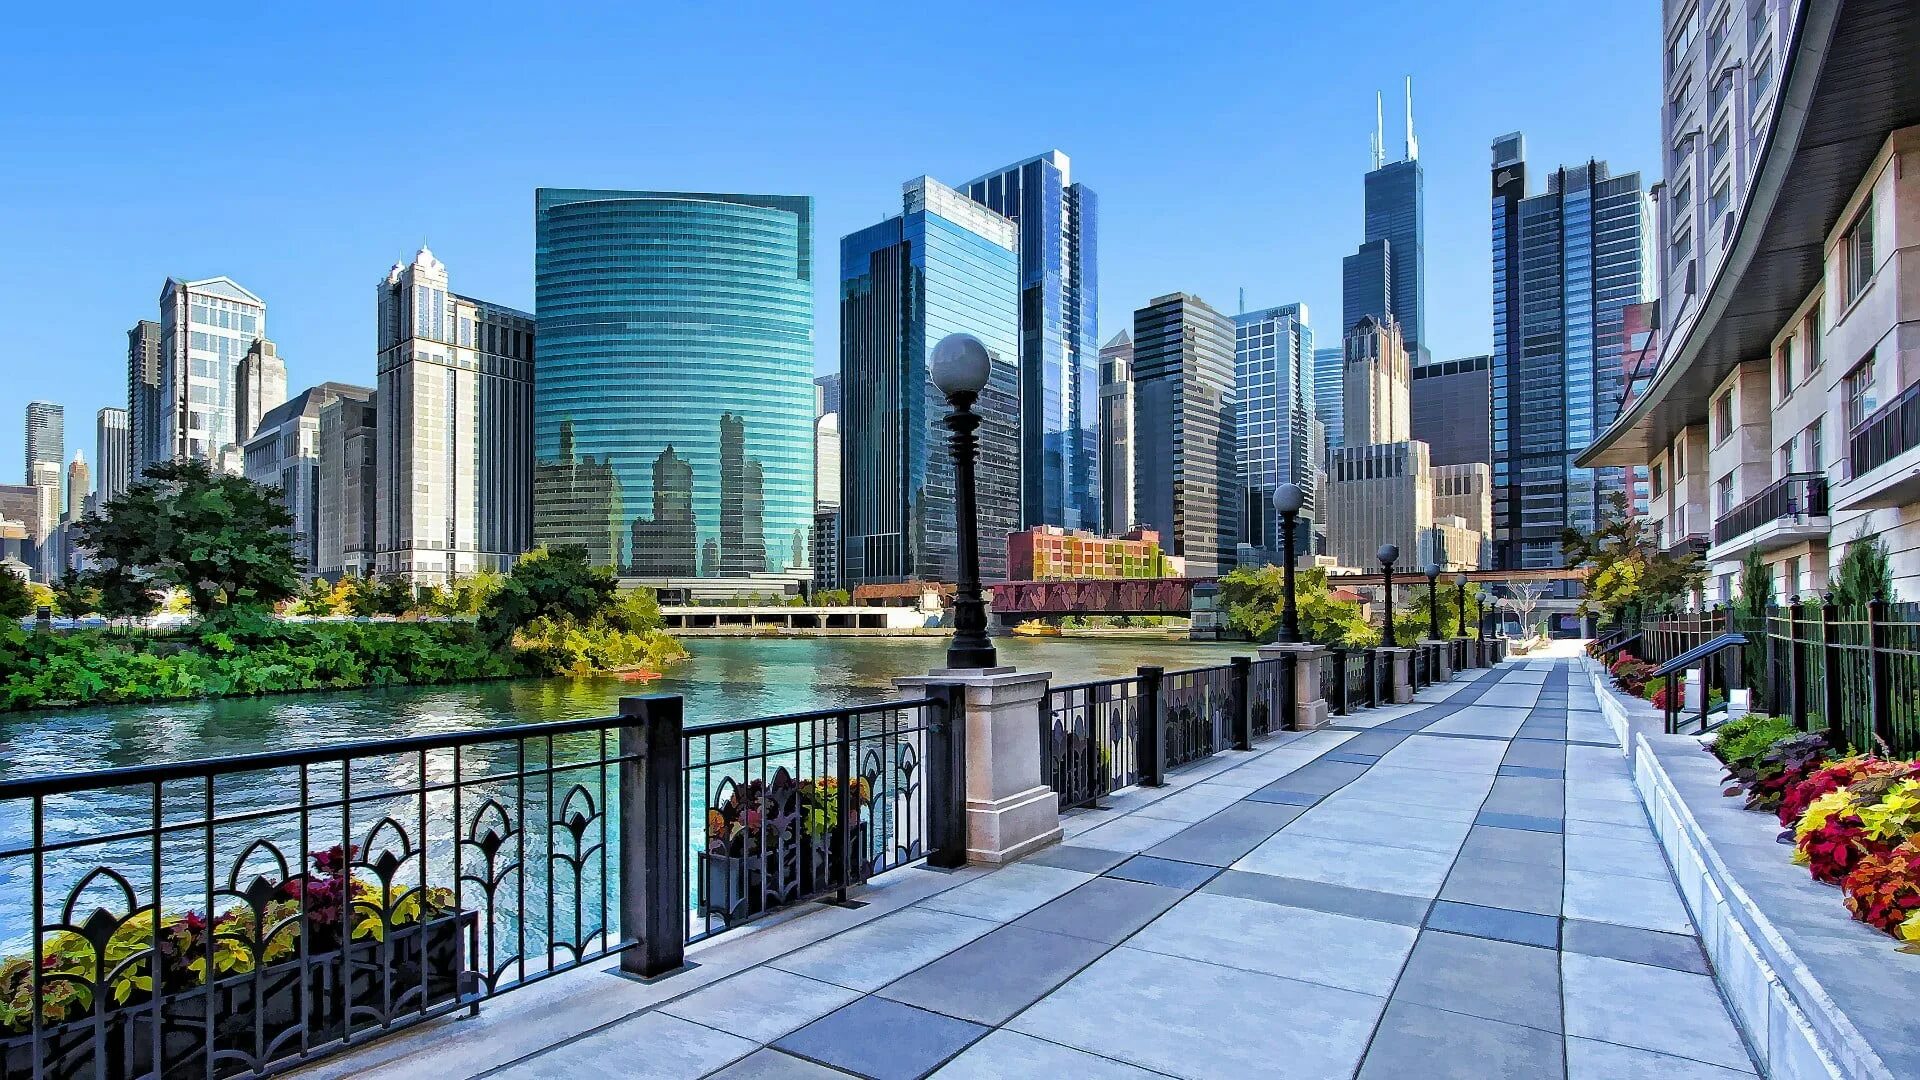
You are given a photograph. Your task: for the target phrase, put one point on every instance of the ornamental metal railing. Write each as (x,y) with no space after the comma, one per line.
(1892,430)
(1798,496)
(1090,733)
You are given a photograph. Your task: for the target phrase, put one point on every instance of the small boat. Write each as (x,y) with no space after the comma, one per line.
(1036,628)
(642,674)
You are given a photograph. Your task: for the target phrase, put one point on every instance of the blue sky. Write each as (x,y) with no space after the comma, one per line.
(303,152)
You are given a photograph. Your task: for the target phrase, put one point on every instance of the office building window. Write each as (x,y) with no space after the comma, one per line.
(1657,476)
(1812,327)
(1723,417)
(1815,450)
(1860,396)
(1783,370)
(1859,253)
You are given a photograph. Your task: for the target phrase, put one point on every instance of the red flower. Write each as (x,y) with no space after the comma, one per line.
(1836,847)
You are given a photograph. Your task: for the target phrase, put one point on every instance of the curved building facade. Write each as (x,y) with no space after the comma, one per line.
(673,380)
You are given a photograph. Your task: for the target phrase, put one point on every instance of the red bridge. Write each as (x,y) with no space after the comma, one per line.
(1014,601)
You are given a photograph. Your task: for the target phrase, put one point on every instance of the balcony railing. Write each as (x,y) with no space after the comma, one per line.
(1795,495)
(1888,433)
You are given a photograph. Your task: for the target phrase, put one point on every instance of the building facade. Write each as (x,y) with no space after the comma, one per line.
(1453,410)
(1050,553)
(826,460)
(1273,423)
(455,409)
(945,265)
(113,452)
(284,453)
(1329,391)
(1567,264)
(1116,431)
(1186,470)
(1386,276)
(663,318)
(1058,222)
(1379,493)
(1377,385)
(348,504)
(44,526)
(46,435)
(260,386)
(206,328)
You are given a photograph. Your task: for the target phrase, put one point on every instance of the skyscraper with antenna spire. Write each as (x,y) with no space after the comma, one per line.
(1386,276)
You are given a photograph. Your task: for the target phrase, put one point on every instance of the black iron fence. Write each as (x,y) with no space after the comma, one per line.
(1091,733)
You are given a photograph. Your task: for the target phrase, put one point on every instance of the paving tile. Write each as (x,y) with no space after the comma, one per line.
(761,1004)
(1536,755)
(1087,860)
(993,978)
(1589,1059)
(1527,822)
(1373,742)
(1526,796)
(774,1065)
(1484,977)
(1500,924)
(1320,896)
(1009,1055)
(1130,834)
(1323,777)
(1192,804)
(1612,855)
(1342,862)
(1352,759)
(1532,772)
(1626,901)
(1007,893)
(1513,845)
(1197,1019)
(874,954)
(1275,794)
(1227,835)
(1349,821)
(1169,872)
(676,1050)
(1333,950)
(1481,721)
(1104,909)
(1671,1012)
(1638,830)
(1496,883)
(1681,952)
(1418,1041)
(882,1039)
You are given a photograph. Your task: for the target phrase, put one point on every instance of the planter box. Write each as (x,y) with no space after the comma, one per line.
(259,1018)
(735,888)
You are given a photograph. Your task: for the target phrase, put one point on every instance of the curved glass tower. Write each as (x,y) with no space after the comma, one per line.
(673,380)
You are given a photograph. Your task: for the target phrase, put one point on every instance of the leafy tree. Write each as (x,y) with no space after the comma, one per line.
(472,592)
(557,583)
(222,539)
(832,598)
(75,595)
(1448,595)
(1255,597)
(1750,615)
(392,595)
(316,599)
(16,602)
(636,611)
(1865,574)
(1629,573)
(123,593)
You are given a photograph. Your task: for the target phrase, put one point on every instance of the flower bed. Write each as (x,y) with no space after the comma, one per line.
(1853,819)
(773,843)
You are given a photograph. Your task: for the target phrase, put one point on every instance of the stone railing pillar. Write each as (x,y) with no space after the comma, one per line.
(1010,808)
(1309,705)
(1442,659)
(1400,663)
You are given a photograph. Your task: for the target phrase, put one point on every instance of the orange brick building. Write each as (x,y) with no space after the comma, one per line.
(1050,553)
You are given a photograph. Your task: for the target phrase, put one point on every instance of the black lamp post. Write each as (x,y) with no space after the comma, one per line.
(1486,601)
(960,366)
(1460,582)
(1433,601)
(1388,553)
(1288,499)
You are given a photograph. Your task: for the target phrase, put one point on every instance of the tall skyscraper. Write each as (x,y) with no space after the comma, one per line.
(284,452)
(348,507)
(455,411)
(1453,410)
(944,265)
(1566,264)
(79,483)
(1058,223)
(658,314)
(206,328)
(1378,385)
(1329,388)
(144,362)
(826,460)
(260,386)
(826,394)
(1116,432)
(1185,473)
(1273,365)
(46,436)
(1388,275)
(113,453)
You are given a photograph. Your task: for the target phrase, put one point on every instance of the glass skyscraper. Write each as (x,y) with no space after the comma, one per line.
(1186,471)
(1388,274)
(1273,418)
(945,265)
(1058,223)
(681,322)
(1566,264)
(206,328)
(1329,395)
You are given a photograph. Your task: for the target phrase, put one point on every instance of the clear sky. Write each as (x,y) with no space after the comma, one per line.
(302,153)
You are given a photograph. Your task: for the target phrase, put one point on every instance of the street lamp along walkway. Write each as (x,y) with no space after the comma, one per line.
(960,366)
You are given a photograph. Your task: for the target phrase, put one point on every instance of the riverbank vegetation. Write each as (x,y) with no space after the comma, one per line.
(1254,599)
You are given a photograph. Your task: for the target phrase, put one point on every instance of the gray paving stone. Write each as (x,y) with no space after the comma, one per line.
(1380,825)
(1527,822)
(1320,896)
(1681,952)
(1484,977)
(1536,755)
(774,1065)
(1373,742)
(1169,872)
(1418,1041)
(993,978)
(1275,793)
(1611,855)
(1007,893)
(1320,778)
(1527,796)
(1500,924)
(1297,943)
(1226,836)
(1670,1012)
(1087,860)
(1355,865)
(881,1039)
(1590,1059)
(1626,901)
(676,1050)
(1009,1055)
(1104,909)
(1499,884)
(762,1004)
(1351,759)
(1530,771)
(1513,845)
(874,954)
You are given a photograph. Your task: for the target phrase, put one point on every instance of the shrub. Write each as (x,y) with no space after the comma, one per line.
(1883,890)
(1740,743)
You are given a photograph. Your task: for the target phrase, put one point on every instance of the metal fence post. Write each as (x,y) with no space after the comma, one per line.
(947,775)
(1153,728)
(1370,667)
(1337,656)
(1796,667)
(1242,673)
(1830,654)
(1879,672)
(653,834)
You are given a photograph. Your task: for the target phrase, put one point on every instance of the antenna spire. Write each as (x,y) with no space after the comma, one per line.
(1413,145)
(1379,133)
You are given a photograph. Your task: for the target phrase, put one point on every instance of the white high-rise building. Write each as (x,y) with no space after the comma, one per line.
(284,452)
(826,461)
(113,452)
(206,328)
(454,412)
(44,478)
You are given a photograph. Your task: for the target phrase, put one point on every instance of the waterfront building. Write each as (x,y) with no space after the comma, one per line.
(1329,392)
(1186,473)
(348,504)
(1780,419)
(666,543)
(455,409)
(1050,553)
(1386,276)
(665,319)
(1452,409)
(260,386)
(1273,423)
(46,435)
(1116,431)
(944,265)
(826,460)
(284,453)
(826,548)
(1378,385)
(145,359)
(206,328)
(1567,264)
(1058,221)
(113,453)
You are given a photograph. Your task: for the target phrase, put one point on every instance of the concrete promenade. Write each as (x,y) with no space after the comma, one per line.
(1462,887)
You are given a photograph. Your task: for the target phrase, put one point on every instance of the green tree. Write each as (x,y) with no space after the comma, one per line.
(557,583)
(1448,595)
(16,602)
(1865,574)
(1629,574)
(74,595)
(1255,597)
(222,539)
(315,599)
(832,598)
(392,594)
(1750,616)
(124,594)
(636,611)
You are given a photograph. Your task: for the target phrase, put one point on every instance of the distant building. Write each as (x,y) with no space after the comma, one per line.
(145,360)
(348,506)
(826,394)
(1383,494)
(1050,553)
(44,525)
(260,388)
(1186,476)
(79,483)
(1387,276)
(206,328)
(1377,386)
(284,453)
(1116,432)
(1453,409)
(46,435)
(1273,364)
(826,460)
(113,453)
(1466,492)
(826,548)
